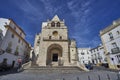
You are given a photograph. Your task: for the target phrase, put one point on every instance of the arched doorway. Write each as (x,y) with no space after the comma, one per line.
(54,54)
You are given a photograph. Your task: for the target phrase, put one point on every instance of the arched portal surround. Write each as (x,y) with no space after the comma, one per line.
(54,53)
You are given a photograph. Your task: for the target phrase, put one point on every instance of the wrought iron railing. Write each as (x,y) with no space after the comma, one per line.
(115,50)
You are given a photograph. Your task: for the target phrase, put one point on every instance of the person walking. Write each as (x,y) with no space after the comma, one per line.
(19,64)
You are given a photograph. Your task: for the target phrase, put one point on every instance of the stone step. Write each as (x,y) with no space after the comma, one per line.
(54,69)
(57,69)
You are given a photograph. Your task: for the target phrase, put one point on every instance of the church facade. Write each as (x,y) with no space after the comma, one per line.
(53,47)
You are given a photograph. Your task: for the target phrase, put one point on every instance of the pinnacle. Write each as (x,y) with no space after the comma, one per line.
(55,18)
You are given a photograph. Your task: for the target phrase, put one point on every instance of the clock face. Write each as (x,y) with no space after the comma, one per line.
(55,33)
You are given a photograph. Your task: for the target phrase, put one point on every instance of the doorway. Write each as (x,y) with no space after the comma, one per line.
(54,52)
(55,57)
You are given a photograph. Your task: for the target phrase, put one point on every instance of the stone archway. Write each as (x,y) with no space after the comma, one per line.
(54,53)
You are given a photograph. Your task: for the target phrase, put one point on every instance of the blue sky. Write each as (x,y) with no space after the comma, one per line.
(84,18)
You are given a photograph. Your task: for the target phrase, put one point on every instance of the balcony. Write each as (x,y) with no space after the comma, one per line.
(93,58)
(54,39)
(111,38)
(115,50)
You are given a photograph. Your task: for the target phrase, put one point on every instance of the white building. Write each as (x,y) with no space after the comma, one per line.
(98,55)
(84,55)
(110,37)
(12,42)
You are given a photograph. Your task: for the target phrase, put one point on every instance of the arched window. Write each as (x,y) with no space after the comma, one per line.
(49,37)
(9,49)
(17,51)
(58,24)
(118,32)
(60,37)
(12,35)
(53,24)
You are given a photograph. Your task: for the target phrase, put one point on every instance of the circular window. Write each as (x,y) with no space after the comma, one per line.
(55,33)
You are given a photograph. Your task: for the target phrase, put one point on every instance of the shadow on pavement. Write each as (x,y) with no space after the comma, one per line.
(11,71)
(101,68)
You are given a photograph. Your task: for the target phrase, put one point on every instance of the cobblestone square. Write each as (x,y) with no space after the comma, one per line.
(82,75)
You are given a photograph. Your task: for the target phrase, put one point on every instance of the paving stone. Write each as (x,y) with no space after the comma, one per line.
(37,74)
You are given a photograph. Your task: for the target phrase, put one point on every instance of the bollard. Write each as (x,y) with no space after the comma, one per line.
(118,77)
(63,78)
(77,78)
(99,77)
(108,76)
(88,77)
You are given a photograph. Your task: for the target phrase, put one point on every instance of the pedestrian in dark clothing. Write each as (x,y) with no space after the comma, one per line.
(19,64)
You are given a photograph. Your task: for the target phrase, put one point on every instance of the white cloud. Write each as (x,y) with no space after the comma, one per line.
(49,8)
(78,9)
(31,11)
(84,42)
(29,36)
